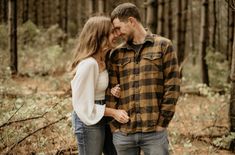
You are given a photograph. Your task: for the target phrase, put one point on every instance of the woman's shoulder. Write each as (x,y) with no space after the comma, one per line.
(88,63)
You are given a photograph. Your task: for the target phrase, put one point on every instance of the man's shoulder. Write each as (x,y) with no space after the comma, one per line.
(161,41)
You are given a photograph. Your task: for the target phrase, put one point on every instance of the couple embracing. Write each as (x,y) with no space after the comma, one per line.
(123,97)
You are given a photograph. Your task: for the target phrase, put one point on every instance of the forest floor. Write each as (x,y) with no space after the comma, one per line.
(35,119)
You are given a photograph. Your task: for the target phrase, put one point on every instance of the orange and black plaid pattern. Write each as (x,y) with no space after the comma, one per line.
(149,81)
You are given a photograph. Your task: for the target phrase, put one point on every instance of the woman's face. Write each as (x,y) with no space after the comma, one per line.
(113,37)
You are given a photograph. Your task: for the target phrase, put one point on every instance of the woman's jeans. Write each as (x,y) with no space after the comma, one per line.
(92,140)
(153,143)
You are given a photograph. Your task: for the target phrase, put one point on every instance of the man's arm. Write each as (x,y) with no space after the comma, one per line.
(171,86)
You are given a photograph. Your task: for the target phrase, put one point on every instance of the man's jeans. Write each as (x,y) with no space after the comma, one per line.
(153,143)
(94,139)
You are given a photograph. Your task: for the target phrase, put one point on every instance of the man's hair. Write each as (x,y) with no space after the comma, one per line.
(124,11)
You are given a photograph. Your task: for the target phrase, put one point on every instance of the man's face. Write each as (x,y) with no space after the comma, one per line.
(123,29)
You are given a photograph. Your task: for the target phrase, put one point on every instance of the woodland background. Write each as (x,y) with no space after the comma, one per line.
(37,38)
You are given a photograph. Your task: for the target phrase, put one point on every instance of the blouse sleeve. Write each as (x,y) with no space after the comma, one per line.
(83,93)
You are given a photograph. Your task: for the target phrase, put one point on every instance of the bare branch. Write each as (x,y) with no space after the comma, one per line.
(26,119)
(34,132)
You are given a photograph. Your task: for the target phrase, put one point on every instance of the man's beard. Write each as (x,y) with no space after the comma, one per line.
(130,38)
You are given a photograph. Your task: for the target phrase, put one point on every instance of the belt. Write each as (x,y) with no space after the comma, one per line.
(100,102)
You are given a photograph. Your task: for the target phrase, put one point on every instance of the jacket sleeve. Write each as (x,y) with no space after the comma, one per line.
(171,86)
(83,93)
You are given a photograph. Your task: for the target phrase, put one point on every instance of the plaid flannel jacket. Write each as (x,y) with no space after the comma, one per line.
(149,81)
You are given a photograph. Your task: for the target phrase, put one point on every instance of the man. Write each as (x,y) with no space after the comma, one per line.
(146,68)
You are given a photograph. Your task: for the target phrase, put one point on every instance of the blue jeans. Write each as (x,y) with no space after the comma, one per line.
(153,143)
(92,139)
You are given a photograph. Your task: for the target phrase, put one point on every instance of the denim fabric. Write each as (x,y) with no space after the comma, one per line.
(92,140)
(153,143)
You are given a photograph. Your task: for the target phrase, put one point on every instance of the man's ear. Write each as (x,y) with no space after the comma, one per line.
(132,21)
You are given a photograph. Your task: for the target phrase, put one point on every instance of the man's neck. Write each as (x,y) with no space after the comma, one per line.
(139,35)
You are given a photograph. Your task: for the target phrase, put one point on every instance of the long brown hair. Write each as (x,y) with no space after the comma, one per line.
(92,39)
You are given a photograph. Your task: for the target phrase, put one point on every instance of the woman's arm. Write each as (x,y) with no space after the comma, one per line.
(119,115)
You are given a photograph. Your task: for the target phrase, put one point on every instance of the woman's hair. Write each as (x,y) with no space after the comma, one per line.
(92,38)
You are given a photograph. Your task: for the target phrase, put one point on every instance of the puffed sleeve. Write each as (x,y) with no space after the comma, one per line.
(83,92)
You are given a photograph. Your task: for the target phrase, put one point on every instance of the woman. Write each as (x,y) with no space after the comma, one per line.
(89,85)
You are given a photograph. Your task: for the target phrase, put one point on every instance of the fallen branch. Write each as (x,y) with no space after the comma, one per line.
(34,132)
(26,119)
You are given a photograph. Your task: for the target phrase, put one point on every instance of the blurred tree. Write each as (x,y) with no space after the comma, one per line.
(152,15)
(35,12)
(3,11)
(192,44)
(232,98)
(231,5)
(170,20)
(204,40)
(231,18)
(13,35)
(179,30)
(25,10)
(161,7)
(213,38)
(101,6)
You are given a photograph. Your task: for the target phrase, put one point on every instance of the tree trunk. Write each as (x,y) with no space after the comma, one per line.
(25,10)
(192,34)
(152,15)
(59,14)
(82,16)
(13,35)
(5,11)
(66,16)
(162,18)
(178,33)
(204,41)
(184,30)
(35,12)
(214,25)
(91,7)
(232,98)
(101,6)
(170,20)
(231,36)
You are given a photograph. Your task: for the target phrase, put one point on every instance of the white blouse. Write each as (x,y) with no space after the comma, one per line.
(89,85)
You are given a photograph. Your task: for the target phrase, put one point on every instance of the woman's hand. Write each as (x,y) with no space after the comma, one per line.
(116,91)
(121,116)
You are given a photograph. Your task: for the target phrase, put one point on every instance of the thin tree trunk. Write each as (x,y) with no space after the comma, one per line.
(232,98)
(43,13)
(81,14)
(214,26)
(152,15)
(101,6)
(178,33)
(231,36)
(162,18)
(5,11)
(192,34)
(35,12)
(13,35)
(219,26)
(184,29)
(91,7)
(170,20)
(204,38)
(66,16)
(25,10)
(59,14)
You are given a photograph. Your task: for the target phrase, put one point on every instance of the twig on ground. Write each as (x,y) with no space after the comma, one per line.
(32,133)
(26,119)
